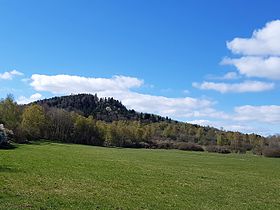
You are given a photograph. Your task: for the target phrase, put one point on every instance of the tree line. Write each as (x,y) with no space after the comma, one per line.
(34,122)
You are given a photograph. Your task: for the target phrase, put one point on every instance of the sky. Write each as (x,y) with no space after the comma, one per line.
(206,62)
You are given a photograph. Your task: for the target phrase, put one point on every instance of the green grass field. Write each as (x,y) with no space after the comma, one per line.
(65,176)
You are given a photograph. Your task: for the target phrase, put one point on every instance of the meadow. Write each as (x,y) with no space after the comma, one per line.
(68,176)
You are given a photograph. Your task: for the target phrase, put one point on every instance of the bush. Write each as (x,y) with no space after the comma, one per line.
(240,149)
(217,149)
(130,144)
(271,152)
(189,146)
(164,145)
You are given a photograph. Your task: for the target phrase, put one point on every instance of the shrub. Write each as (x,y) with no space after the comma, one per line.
(189,146)
(143,145)
(130,144)
(164,145)
(239,149)
(217,149)
(271,152)
(161,144)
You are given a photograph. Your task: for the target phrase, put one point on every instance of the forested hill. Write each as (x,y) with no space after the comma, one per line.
(106,109)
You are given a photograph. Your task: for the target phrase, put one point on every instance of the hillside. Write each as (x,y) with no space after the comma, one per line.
(106,109)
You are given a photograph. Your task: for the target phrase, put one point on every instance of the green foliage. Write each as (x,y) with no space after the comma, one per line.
(219,140)
(170,132)
(59,124)
(33,121)
(86,131)
(9,113)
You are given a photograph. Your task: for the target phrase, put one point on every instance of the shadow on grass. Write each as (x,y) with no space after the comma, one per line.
(38,142)
(43,142)
(7,146)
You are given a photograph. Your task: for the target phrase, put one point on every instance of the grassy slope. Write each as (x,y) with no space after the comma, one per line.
(59,176)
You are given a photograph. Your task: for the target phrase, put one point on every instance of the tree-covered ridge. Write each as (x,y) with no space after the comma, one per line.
(106,109)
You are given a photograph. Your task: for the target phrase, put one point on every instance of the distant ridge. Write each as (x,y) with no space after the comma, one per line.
(106,109)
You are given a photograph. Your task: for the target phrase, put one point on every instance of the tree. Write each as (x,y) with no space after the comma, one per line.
(236,142)
(9,113)
(86,132)
(33,121)
(60,124)
(219,139)
(170,132)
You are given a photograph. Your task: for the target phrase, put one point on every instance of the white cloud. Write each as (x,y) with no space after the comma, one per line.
(200,122)
(265,41)
(247,86)
(25,80)
(228,76)
(252,66)
(8,75)
(25,100)
(186,91)
(226,125)
(67,84)
(266,114)
(172,107)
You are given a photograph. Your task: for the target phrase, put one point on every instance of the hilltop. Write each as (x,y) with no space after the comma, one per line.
(106,109)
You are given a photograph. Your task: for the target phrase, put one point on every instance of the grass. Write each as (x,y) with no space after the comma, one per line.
(65,176)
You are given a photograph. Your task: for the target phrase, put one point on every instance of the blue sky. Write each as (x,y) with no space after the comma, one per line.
(195,61)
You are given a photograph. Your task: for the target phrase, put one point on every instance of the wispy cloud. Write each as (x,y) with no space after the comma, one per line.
(228,76)
(25,100)
(8,75)
(267,114)
(247,86)
(263,120)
